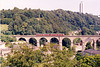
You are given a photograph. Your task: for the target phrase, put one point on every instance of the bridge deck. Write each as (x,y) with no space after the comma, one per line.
(56,36)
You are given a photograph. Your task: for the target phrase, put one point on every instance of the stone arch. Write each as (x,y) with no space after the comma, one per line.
(98,44)
(33,41)
(22,39)
(54,40)
(77,41)
(89,43)
(43,41)
(89,40)
(66,42)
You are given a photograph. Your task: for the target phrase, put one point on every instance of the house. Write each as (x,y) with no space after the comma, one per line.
(2,45)
(4,51)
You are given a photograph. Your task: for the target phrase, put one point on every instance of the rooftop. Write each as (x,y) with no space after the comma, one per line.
(92,51)
(1,42)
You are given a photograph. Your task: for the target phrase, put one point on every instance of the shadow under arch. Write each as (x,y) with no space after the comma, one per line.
(88,45)
(54,40)
(43,41)
(98,44)
(33,41)
(22,39)
(66,42)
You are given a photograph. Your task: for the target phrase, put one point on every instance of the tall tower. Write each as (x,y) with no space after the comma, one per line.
(81,7)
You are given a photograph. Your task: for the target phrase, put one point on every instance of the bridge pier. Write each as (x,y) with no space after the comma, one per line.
(60,43)
(71,43)
(94,44)
(27,40)
(83,46)
(48,40)
(17,38)
(38,44)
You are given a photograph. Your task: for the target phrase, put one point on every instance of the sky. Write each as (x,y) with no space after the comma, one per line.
(90,6)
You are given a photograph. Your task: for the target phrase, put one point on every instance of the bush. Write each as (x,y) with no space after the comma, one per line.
(8,39)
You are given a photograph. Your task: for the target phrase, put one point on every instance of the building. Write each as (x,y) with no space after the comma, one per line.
(4,51)
(98,32)
(81,7)
(75,32)
(91,52)
(2,45)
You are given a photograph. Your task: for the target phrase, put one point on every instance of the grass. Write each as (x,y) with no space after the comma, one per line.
(3,27)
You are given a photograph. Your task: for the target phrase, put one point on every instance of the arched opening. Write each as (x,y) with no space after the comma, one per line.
(77,41)
(43,41)
(98,44)
(22,39)
(54,40)
(88,45)
(33,41)
(66,42)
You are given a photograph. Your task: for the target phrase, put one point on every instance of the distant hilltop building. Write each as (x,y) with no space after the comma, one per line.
(75,32)
(81,7)
(98,32)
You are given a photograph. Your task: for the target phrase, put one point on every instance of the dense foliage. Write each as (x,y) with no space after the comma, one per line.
(32,21)
(8,39)
(48,56)
(88,61)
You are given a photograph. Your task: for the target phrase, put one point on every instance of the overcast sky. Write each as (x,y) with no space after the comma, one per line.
(90,6)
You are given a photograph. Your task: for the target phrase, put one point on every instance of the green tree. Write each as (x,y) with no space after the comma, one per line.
(51,56)
(77,40)
(24,58)
(55,21)
(89,61)
(8,39)
(88,46)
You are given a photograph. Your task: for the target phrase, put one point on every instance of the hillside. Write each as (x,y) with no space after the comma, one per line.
(3,27)
(32,21)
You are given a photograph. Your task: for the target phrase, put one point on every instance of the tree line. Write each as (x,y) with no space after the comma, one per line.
(32,21)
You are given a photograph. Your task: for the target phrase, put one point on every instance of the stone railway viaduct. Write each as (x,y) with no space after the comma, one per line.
(84,38)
